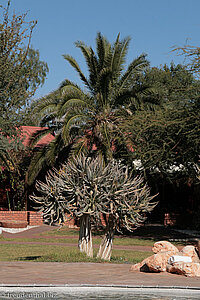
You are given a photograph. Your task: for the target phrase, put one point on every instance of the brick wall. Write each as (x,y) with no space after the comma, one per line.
(32,217)
(13,215)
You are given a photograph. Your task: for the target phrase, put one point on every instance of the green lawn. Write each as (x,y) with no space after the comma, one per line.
(96,241)
(61,231)
(67,253)
(14,252)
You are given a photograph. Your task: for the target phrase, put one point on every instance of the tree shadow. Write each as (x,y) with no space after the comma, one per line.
(156,233)
(26,258)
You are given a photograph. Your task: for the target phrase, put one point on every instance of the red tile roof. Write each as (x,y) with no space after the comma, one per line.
(28,131)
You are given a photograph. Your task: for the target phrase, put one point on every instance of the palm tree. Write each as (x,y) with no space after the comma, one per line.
(95,118)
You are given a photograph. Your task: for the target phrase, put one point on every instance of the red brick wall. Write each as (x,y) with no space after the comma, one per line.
(32,217)
(35,218)
(13,215)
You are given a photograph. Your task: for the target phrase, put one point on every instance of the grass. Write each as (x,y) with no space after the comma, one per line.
(46,253)
(144,236)
(59,253)
(42,240)
(70,253)
(96,241)
(61,231)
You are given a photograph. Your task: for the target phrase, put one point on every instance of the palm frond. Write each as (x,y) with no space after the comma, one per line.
(100,46)
(6,159)
(71,89)
(137,66)
(72,120)
(46,157)
(103,83)
(47,104)
(38,163)
(86,51)
(48,120)
(73,104)
(119,54)
(75,65)
(36,136)
(67,82)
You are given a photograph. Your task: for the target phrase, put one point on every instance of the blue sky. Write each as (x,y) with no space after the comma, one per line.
(154,26)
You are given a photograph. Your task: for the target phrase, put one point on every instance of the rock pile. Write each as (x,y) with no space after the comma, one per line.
(167,258)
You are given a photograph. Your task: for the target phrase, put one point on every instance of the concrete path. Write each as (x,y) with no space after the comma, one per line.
(30,233)
(45,273)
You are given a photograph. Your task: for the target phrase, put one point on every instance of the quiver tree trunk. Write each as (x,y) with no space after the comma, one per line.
(105,249)
(85,235)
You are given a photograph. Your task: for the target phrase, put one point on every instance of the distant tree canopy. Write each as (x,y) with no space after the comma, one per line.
(192,57)
(173,85)
(168,135)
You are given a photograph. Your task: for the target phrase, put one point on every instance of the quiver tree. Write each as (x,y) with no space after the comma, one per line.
(50,200)
(85,178)
(127,205)
(87,189)
(77,188)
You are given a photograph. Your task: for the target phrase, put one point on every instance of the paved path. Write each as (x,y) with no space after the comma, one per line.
(45,273)
(30,233)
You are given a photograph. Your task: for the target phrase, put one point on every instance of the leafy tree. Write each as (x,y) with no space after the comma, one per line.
(21,72)
(173,85)
(192,57)
(168,134)
(86,188)
(93,118)
(165,138)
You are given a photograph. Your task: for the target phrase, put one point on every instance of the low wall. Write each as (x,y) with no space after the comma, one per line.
(34,218)
(31,217)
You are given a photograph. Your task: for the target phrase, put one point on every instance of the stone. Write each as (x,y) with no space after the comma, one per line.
(142,265)
(157,262)
(164,246)
(136,267)
(190,251)
(198,247)
(186,269)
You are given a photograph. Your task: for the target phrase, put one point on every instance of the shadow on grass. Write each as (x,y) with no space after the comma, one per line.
(155,233)
(26,258)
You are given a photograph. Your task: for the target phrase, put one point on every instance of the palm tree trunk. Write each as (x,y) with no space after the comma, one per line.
(105,249)
(85,235)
